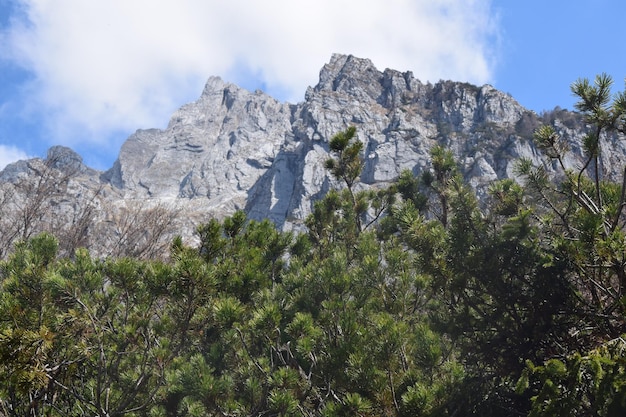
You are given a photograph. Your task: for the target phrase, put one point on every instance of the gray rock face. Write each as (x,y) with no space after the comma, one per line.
(215,148)
(237,149)
(234,149)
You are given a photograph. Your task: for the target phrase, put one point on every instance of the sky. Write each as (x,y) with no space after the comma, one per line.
(87,74)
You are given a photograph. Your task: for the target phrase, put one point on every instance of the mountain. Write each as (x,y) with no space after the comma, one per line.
(233,149)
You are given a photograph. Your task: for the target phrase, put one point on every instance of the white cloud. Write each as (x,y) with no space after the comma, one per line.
(10,154)
(105,66)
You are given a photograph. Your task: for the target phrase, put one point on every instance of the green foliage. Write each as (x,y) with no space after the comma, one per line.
(438,182)
(408,187)
(593,384)
(410,300)
(85,336)
(508,197)
(583,215)
(348,163)
(342,215)
(581,221)
(505,298)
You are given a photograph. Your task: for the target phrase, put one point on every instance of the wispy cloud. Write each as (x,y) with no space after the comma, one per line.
(10,154)
(107,66)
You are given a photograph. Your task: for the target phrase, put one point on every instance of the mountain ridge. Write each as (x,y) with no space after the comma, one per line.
(234,149)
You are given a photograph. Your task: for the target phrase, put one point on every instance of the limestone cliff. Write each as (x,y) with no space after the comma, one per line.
(234,149)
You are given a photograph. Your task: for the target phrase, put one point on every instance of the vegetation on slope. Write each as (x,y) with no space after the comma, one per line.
(408,301)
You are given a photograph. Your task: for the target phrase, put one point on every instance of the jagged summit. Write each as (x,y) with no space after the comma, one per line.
(236,149)
(348,74)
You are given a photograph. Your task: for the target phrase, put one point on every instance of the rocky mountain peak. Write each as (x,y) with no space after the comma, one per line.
(360,79)
(65,159)
(348,74)
(236,149)
(462,104)
(213,84)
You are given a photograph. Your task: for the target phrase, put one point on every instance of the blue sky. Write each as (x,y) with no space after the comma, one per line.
(88,74)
